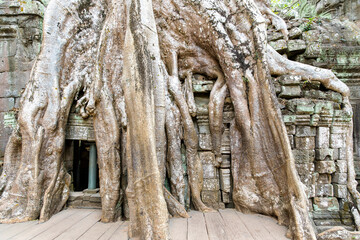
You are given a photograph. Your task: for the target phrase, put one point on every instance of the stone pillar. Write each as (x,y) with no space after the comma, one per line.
(92,167)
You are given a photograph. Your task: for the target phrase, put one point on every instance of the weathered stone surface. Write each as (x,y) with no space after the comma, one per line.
(6,104)
(303,156)
(289,80)
(341,166)
(305,107)
(290,92)
(337,140)
(307,143)
(324,190)
(296,46)
(325,167)
(340,178)
(210,196)
(205,142)
(209,171)
(279,45)
(273,36)
(305,131)
(335,233)
(324,108)
(291,129)
(295,33)
(340,191)
(342,153)
(326,203)
(207,158)
(225,180)
(305,169)
(322,137)
(324,154)
(211,184)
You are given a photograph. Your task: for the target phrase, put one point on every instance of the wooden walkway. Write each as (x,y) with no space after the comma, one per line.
(84,224)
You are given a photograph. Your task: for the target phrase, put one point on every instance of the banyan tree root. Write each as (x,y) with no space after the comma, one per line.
(216,106)
(195,170)
(40,187)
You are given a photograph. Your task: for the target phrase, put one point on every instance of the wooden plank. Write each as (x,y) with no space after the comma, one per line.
(16,229)
(107,235)
(196,226)
(234,227)
(3,227)
(55,230)
(99,229)
(121,233)
(41,227)
(215,226)
(276,230)
(255,226)
(178,228)
(80,228)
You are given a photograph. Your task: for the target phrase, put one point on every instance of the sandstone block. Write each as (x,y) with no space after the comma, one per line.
(326,204)
(324,154)
(342,153)
(324,108)
(279,45)
(296,46)
(303,156)
(341,166)
(225,180)
(291,129)
(335,233)
(340,178)
(295,32)
(226,197)
(324,190)
(305,131)
(6,104)
(322,137)
(325,167)
(209,171)
(205,142)
(210,196)
(340,191)
(337,140)
(307,143)
(207,158)
(290,92)
(289,80)
(211,184)
(305,169)
(305,107)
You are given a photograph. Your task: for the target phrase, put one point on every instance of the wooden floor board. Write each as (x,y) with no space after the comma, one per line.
(56,230)
(234,227)
(178,228)
(83,224)
(16,229)
(196,226)
(215,226)
(107,235)
(80,228)
(41,227)
(98,230)
(121,233)
(277,231)
(255,227)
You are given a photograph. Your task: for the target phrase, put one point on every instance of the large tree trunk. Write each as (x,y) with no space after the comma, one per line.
(126,59)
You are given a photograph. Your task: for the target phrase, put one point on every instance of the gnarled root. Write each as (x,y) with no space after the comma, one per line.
(195,170)
(216,106)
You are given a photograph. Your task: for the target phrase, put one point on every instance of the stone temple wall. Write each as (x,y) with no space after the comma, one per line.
(20,40)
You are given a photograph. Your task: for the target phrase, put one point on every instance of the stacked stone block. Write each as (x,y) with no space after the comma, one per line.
(20,39)
(317,127)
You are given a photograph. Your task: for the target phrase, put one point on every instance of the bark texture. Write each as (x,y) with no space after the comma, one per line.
(124,63)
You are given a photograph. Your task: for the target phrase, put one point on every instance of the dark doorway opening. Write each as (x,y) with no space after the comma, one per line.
(81,165)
